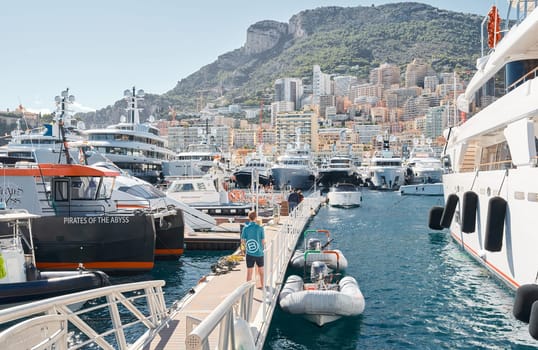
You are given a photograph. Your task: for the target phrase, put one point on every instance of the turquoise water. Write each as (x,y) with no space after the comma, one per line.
(421,290)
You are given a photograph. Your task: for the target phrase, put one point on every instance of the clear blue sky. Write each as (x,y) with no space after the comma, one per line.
(99,48)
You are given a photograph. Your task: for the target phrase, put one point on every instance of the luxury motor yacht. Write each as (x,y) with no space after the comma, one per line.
(490,189)
(295,168)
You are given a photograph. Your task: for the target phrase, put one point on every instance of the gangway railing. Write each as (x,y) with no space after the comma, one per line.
(223,317)
(134,312)
(277,255)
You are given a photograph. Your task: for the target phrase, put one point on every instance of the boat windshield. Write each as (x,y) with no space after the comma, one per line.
(143,191)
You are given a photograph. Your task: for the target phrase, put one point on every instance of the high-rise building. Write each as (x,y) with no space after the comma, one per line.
(386,75)
(287,124)
(289,89)
(416,71)
(430,83)
(435,122)
(321,84)
(342,84)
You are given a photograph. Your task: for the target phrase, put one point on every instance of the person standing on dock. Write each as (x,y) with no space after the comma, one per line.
(253,241)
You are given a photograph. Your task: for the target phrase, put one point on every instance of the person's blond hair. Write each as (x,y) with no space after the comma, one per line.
(252,215)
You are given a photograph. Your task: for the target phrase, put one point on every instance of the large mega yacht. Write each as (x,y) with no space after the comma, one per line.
(133,146)
(295,168)
(491,190)
(422,165)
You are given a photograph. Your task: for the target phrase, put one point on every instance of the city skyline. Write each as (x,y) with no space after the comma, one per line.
(100,49)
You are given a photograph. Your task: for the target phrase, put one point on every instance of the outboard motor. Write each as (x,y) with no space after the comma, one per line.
(314,244)
(318,271)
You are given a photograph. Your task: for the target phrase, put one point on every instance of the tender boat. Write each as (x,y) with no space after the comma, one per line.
(490,190)
(344,195)
(320,299)
(20,281)
(316,251)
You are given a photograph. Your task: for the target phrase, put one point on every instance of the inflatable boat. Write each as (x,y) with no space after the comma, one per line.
(321,301)
(316,251)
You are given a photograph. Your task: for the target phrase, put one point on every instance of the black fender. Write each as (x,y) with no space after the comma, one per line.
(469,205)
(526,295)
(450,209)
(495,224)
(434,219)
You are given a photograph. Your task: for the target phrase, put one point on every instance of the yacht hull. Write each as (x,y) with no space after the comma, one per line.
(114,244)
(286,178)
(515,264)
(332,177)
(169,236)
(243,179)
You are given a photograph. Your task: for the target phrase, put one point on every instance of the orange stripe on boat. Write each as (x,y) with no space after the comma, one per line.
(169,251)
(57,170)
(493,267)
(117,265)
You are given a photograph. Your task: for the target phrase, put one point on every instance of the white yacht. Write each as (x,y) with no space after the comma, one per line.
(133,146)
(338,168)
(207,195)
(196,160)
(295,168)
(257,167)
(386,171)
(344,195)
(422,165)
(46,143)
(491,190)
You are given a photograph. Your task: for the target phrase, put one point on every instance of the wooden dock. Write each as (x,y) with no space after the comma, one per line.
(213,289)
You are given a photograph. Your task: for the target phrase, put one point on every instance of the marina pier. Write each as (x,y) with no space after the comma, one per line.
(205,318)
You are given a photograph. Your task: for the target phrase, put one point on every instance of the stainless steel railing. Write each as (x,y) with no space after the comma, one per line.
(134,307)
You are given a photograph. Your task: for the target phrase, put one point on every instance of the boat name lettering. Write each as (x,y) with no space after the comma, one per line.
(81,220)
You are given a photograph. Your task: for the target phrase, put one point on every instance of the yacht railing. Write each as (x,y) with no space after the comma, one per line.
(530,75)
(138,307)
(277,255)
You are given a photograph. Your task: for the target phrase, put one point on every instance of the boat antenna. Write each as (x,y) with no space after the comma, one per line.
(62,103)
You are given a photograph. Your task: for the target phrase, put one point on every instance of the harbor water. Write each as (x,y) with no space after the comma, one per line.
(422,291)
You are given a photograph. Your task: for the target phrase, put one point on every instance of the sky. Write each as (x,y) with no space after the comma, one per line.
(100,48)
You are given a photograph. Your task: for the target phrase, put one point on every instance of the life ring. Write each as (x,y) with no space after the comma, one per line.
(236,196)
(526,296)
(450,209)
(495,224)
(469,204)
(434,219)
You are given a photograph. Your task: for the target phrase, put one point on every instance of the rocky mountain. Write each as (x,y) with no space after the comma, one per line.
(350,40)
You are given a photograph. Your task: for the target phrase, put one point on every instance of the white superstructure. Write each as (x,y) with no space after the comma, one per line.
(491,185)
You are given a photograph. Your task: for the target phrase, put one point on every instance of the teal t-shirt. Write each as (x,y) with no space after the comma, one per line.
(253,234)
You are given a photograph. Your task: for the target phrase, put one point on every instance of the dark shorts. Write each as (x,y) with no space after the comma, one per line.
(254,259)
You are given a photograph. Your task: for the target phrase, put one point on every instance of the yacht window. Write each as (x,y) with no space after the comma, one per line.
(61,190)
(496,157)
(186,187)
